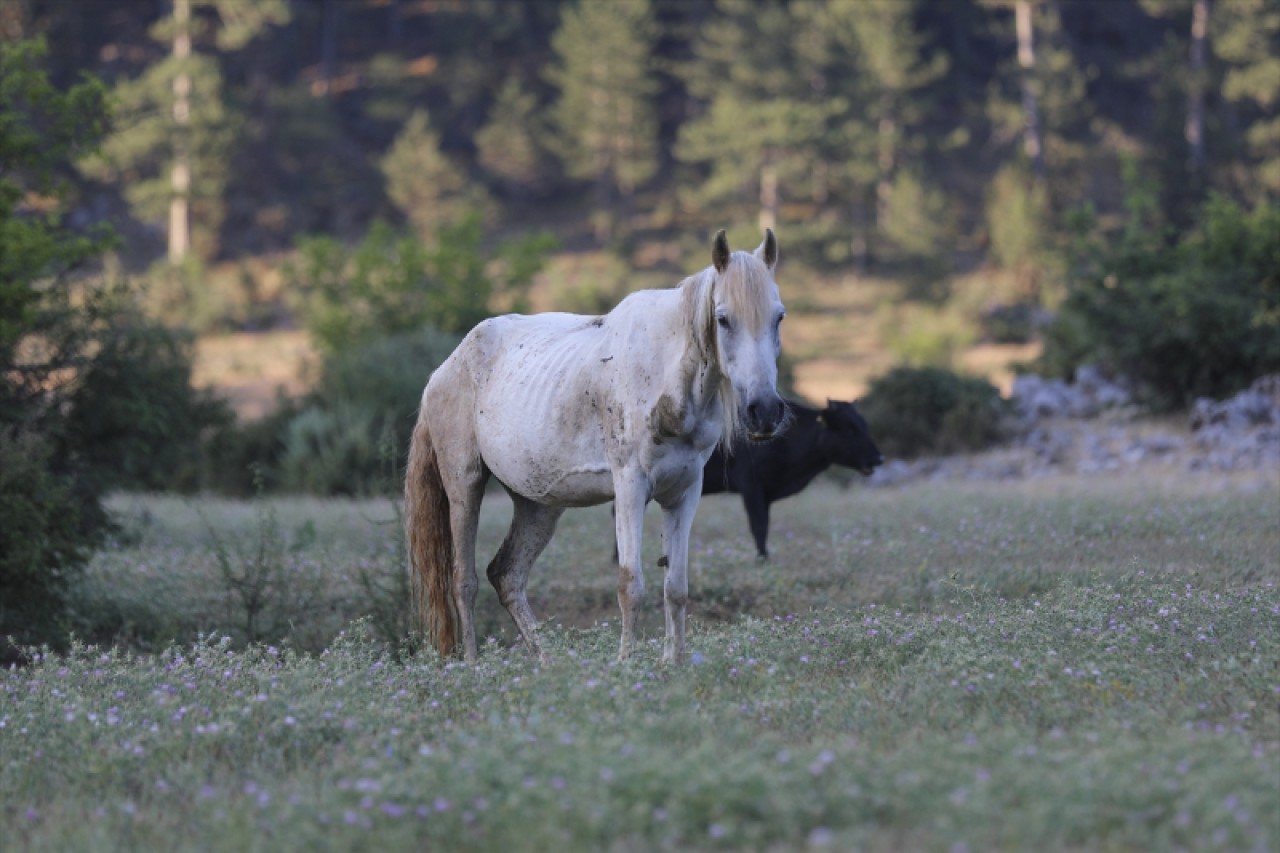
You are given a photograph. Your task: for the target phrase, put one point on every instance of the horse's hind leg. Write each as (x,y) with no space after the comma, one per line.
(532,525)
(449,400)
(464,518)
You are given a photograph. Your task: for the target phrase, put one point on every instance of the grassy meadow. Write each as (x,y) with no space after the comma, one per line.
(1071,663)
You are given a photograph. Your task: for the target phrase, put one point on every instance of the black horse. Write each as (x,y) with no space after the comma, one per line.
(764,473)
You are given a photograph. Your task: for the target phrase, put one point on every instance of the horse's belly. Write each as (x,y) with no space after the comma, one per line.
(552,481)
(547,464)
(579,488)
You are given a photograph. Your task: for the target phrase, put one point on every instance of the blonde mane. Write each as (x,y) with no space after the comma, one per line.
(744,285)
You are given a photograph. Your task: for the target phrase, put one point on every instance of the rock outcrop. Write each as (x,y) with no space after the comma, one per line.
(1094,425)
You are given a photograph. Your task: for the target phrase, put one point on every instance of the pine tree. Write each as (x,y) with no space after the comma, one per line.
(511,144)
(760,134)
(173,131)
(1042,101)
(429,187)
(898,67)
(605,122)
(1247,39)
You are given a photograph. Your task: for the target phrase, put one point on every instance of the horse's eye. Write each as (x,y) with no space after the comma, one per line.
(723,320)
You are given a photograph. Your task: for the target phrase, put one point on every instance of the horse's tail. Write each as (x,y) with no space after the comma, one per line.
(430,542)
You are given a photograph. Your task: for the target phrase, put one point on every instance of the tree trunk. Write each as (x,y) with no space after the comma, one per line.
(885,159)
(394,24)
(329,46)
(1031,143)
(180,172)
(768,217)
(1195,90)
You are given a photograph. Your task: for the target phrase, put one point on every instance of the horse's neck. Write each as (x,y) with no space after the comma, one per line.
(694,377)
(685,386)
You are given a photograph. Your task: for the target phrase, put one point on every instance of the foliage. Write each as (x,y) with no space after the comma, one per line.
(135,422)
(385,378)
(41,128)
(1248,41)
(91,398)
(393,283)
(512,145)
(1021,228)
(43,544)
(332,451)
(174,136)
(241,458)
(914,411)
(49,512)
(428,186)
(1199,318)
(605,120)
(924,336)
(263,594)
(757,133)
(821,105)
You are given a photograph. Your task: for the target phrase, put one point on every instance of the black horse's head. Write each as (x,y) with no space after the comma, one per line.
(846,438)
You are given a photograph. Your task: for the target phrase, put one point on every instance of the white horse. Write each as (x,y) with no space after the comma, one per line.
(568,410)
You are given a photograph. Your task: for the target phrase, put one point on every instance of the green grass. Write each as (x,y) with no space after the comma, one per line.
(1071,664)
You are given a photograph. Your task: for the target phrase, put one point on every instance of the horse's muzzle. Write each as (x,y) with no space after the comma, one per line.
(766,419)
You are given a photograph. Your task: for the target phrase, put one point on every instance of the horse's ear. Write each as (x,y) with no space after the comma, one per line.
(768,250)
(720,251)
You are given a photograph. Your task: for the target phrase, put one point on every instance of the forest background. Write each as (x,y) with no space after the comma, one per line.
(237,235)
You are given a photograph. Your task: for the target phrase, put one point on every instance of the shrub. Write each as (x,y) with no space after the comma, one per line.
(360,415)
(243,458)
(43,542)
(914,411)
(394,283)
(1199,318)
(1020,225)
(385,377)
(331,451)
(134,418)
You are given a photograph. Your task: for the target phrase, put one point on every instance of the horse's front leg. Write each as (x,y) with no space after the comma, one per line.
(677,521)
(630,497)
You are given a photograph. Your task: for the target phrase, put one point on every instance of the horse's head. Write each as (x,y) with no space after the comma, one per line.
(846,439)
(745,314)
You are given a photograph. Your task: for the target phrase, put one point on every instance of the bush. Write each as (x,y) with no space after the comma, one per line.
(361,414)
(242,459)
(134,420)
(394,283)
(914,411)
(43,542)
(331,451)
(1198,318)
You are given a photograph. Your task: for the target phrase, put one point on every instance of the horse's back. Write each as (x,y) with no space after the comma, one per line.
(536,404)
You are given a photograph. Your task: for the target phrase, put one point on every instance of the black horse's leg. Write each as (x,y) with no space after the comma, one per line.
(757,507)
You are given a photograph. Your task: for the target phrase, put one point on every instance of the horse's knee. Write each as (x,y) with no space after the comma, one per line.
(466,587)
(630,584)
(677,595)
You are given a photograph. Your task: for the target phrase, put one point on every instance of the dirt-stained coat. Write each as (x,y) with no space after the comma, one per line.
(567,410)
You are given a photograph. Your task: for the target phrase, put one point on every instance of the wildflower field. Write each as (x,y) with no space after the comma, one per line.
(1067,663)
